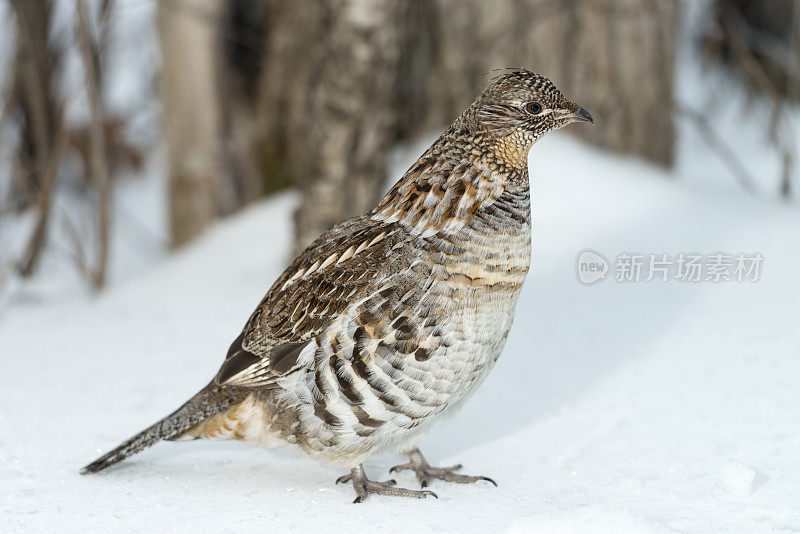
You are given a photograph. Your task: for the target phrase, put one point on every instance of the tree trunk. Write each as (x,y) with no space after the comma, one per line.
(341,107)
(191,115)
(344,79)
(615,57)
(625,73)
(35,173)
(240,68)
(34,69)
(286,59)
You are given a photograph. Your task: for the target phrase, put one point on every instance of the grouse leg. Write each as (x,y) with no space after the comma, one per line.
(425,472)
(364,486)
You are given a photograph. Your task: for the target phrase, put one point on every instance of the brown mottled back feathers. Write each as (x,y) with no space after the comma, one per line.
(316,288)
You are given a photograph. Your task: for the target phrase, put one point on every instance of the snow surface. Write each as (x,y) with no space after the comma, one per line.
(641,407)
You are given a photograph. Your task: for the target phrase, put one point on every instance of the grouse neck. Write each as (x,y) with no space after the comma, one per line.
(450,182)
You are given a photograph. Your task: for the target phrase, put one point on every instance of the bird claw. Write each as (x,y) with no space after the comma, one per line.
(347,478)
(364,487)
(425,472)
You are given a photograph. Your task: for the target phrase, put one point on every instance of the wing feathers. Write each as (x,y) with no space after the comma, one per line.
(318,287)
(243,368)
(283,358)
(235,364)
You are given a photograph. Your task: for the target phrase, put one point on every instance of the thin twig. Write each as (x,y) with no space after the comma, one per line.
(77,252)
(715,142)
(6,272)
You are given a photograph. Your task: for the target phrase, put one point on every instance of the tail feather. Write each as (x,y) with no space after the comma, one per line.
(208,402)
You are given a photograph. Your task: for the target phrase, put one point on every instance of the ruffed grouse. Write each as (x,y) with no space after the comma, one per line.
(389,320)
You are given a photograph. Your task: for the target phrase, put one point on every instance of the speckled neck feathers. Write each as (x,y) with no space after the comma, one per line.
(453,179)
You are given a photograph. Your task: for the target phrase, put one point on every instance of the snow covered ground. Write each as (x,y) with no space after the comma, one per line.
(616,407)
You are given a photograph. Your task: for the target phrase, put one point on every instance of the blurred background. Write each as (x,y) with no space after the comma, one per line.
(162,160)
(129,126)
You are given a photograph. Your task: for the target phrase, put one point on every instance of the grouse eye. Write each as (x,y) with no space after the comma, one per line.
(534,108)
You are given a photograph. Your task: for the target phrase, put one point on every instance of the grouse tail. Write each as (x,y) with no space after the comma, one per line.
(208,402)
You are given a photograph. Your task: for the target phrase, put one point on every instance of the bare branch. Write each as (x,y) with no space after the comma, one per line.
(793,91)
(78,252)
(715,142)
(781,133)
(794,51)
(44,201)
(33,84)
(98,161)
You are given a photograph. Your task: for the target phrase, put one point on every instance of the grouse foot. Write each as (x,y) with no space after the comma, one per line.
(425,472)
(364,486)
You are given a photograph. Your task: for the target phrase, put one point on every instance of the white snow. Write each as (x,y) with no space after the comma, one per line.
(737,478)
(639,407)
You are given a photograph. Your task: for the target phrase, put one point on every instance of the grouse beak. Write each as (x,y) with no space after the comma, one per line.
(579,115)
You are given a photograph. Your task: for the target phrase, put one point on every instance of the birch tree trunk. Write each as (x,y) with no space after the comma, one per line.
(191,115)
(344,117)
